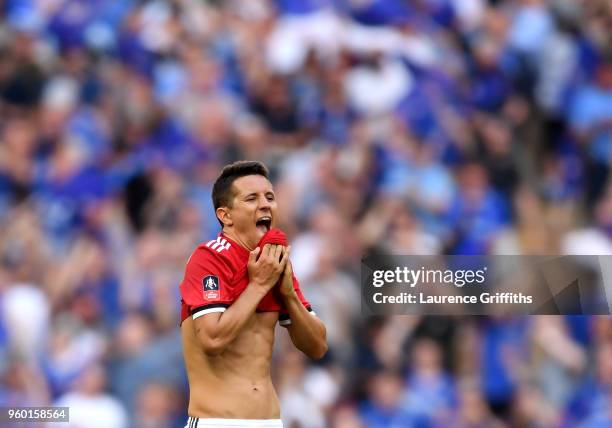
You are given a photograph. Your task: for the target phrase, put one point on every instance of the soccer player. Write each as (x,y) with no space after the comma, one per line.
(233,295)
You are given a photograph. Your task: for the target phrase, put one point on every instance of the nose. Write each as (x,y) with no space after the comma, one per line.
(264,203)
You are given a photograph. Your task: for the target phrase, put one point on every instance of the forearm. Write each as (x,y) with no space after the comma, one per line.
(307,332)
(220,332)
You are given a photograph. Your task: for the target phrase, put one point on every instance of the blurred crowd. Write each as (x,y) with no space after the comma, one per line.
(389,126)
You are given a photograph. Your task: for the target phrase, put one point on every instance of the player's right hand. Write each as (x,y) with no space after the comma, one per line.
(265,268)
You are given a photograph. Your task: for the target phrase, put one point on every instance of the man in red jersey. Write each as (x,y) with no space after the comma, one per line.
(236,288)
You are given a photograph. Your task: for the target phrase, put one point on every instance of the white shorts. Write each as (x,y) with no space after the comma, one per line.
(232,423)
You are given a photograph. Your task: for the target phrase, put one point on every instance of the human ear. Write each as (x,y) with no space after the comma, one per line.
(225,216)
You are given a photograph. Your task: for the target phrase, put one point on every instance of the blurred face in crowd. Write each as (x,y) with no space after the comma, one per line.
(386,390)
(604,75)
(427,357)
(92,380)
(474,181)
(473,408)
(603,359)
(603,212)
(155,403)
(252,211)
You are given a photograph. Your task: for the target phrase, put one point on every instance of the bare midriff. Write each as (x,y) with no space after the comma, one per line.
(236,384)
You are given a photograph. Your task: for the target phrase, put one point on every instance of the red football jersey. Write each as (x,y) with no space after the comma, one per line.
(215,276)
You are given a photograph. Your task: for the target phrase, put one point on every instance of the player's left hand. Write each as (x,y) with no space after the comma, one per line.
(286,282)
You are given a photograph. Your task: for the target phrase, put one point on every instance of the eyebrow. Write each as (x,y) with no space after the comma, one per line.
(255,193)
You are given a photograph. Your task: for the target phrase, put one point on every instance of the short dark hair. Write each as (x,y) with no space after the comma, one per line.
(222,189)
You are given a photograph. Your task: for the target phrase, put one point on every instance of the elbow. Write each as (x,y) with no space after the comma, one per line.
(211,346)
(319,351)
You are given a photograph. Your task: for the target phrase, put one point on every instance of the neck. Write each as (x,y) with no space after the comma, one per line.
(231,234)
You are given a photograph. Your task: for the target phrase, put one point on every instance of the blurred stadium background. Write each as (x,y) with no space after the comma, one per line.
(390,126)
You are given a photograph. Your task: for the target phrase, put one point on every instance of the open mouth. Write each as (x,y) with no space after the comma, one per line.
(263,224)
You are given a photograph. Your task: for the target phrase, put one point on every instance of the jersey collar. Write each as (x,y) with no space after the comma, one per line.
(241,250)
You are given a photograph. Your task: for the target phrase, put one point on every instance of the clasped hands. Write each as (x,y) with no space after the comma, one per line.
(267,265)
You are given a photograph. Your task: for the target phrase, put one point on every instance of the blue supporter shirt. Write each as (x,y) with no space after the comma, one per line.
(300,7)
(502,340)
(592,108)
(477,224)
